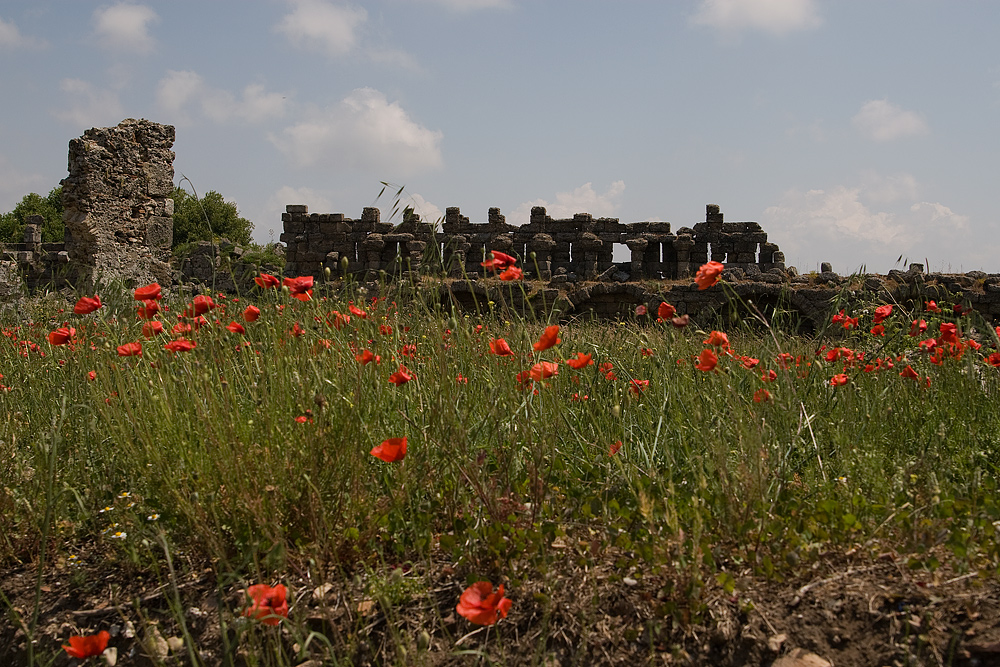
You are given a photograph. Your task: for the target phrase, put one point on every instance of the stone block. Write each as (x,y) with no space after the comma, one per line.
(159,232)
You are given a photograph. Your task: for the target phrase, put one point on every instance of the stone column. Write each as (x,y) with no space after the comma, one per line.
(683,245)
(638,248)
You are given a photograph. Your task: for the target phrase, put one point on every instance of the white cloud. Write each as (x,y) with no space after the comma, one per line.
(322,26)
(178,92)
(583,199)
(880,189)
(427,211)
(124,27)
(778,17)
(11,38)
(364,131)
(88,106)
(881,120)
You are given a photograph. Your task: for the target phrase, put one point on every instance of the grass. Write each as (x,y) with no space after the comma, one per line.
(175,467)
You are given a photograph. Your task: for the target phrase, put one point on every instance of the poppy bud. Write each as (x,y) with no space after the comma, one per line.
(616,412)
(326,272)
(343,264)
(423,641)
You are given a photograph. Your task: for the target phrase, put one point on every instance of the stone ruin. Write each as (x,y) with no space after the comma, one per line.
(578,248)
(117,212)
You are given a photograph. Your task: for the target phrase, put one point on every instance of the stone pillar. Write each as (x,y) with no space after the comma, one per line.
(542,245)
(117,205)
(684,245)
(638,248)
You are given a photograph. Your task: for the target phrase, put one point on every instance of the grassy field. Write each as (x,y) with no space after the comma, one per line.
(144,490)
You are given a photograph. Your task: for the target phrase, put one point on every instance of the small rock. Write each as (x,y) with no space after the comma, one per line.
(775,642)
(801,658)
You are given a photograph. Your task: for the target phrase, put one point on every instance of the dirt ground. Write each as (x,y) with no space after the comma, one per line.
(841,610)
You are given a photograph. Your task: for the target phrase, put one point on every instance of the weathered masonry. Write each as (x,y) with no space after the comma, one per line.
(581,245)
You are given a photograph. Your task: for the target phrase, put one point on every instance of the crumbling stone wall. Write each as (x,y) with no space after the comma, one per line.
(117,205)
(580,247)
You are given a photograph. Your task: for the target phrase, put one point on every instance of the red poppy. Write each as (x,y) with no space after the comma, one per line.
(707,360)
(994,359)
(357,311)
(203,303)
(236,327)
(918,327)
(150,329)
(908,372)
(481,605)
(180,345)
(542,370)
(269,604)
(838,379)
(81,647)
(500,348)
(839,317)
(366,357)
(181,328)
(62,335)
(91,375)
(251,314)
(409,350)
(548,338)
(511,273)
(300,288)
(646,352)
(761,396)
(614,447)
(266,281)
(498,261)
(340,320)
(932,307)
(665,312)
(296,330)
(878,330)
(130,350)
(949,332)
(401,376)
(708,275)
(681,321)
(850,322)
(638,386)
(580,361)
(749,363)
(605,370)
(640,310)
(882,312)
(718,339)
(151,292)
(87,305)
(385,330)
(391,450)
(147,310)
(303,419)
(960,310)
(769,376)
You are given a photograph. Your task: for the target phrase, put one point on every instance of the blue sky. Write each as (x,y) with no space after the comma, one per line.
(854,131)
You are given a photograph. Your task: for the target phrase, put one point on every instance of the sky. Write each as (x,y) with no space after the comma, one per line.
(855,132)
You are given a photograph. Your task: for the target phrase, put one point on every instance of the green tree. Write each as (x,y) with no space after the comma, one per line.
(49,207)
(224,216)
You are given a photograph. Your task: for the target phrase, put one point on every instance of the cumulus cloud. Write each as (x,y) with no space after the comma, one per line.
(185,93)
(880,120)
(777,17)
(870,224)
(11,38)
(323,26)
(365,131)
(583,199)
(124,27)
(88,106)
(427,211)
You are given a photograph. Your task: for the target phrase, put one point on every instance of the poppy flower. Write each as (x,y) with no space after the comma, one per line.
(182,328)
(839,317)
(605,369)
(749,363)
(150,329)
(994,359)
(391,450)
(385,330)
(500,348)
(640,310)
(717,339)
(960,310)
(481,605)
(708,275)
(614,447)
(401,376)
(296,330)
(542,370)
(340,320)
(665,312)
(761,396)
(366,357)
(236,327)
(180,345)
(147,310)
(878,330)
(91,375)
(62,335)
(151,292)
(511,273)
(266,281)
(304,419)
(949,332)
(203,303)
(87,305)
(882,312)
(357,311)
(707,360)
(838,379)
(548,338)
(409,350)
(638,386)
(908,372)
(81,647)
(850,322)
(498,261)
(300,288)
(130,350)
(918,327)
(269,603)
(681,321)
(769,376)
(646,352)
(251,314)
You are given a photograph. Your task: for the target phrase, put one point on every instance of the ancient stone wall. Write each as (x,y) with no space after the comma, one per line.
(117,205)
(580,247)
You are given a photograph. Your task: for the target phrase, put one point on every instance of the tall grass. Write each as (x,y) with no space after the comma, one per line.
(200,453)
